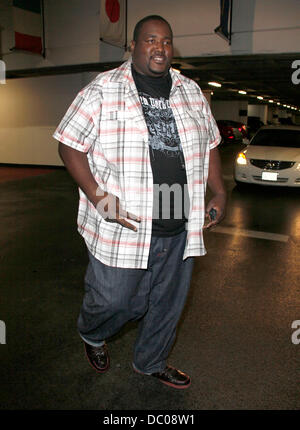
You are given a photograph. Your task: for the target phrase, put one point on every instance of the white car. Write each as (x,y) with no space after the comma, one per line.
(271,158)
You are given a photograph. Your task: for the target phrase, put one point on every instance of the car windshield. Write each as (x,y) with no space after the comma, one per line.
(284,138)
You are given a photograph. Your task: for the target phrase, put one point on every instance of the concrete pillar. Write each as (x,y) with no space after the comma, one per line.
(282,113)
(297,119)
(233,110)
(273,114)
(259,110)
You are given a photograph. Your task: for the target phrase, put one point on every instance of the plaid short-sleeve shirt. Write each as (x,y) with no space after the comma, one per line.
(106,121)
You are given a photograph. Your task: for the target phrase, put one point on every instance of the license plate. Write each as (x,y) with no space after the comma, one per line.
(269,176)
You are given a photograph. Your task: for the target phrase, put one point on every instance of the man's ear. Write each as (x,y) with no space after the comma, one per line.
(131,46)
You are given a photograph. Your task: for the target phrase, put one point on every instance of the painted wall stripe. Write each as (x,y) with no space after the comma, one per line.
(251,233)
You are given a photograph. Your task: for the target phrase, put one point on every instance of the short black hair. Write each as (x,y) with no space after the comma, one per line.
(139,24)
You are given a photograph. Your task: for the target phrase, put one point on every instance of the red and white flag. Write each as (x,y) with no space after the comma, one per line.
(28,25)
(113,22)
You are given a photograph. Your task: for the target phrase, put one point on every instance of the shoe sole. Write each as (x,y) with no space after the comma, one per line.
(169,384)
(96,368)
(177,387)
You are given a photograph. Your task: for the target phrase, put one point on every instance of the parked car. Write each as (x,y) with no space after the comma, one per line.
(232,131)
(271,158)
(253,125)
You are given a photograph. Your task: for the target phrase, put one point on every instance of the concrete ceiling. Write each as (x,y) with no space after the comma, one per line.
(266,75)
(269,76)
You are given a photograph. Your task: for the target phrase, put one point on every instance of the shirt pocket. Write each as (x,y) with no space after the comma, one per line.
(124,147)
(115,128)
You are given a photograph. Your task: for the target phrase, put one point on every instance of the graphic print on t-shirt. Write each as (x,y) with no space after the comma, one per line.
(170,196)
(163,134)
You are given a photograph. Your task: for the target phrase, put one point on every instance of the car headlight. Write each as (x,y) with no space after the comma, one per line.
(241,159)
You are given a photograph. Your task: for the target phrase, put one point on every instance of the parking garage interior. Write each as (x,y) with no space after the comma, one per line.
(235,336)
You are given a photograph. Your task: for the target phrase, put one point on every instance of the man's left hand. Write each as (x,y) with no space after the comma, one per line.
(218,202)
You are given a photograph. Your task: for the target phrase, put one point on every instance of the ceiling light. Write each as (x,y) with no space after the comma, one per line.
(212,93)
(214,84)
(259,97)
(278,103)
(271,101)
(242,92)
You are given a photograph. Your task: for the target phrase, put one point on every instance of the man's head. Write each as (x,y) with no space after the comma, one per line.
(152,46)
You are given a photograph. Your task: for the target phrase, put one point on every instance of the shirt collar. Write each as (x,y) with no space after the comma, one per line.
(124,73)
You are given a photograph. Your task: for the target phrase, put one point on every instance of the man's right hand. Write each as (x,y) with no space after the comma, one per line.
(110,209)
(107,204)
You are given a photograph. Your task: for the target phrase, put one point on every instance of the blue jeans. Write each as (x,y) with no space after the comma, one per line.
(155,296)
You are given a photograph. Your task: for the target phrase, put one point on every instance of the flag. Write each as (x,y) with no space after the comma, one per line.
(113,22)
(225,14)
(28,25)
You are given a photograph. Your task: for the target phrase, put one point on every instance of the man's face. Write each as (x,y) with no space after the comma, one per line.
(152,53)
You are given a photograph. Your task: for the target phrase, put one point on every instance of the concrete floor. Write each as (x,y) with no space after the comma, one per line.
(234,337)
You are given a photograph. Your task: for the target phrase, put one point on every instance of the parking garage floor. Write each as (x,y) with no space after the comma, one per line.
(234,338)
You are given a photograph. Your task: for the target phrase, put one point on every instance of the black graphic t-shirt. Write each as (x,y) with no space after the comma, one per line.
(170,204)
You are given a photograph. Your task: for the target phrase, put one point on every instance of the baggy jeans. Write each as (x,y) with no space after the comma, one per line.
(155,296)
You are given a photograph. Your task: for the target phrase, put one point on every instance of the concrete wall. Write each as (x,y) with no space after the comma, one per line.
(30,110)
(259,110)
(229,110)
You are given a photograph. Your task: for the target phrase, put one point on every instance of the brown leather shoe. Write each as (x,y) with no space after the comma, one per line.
(98,357)
(171,377)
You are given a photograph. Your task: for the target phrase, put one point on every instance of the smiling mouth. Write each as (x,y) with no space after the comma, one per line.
(159,59)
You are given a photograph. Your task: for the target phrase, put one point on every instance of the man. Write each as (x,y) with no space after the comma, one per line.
(130,135)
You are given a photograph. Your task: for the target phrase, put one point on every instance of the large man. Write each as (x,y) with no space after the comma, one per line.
(132,134)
